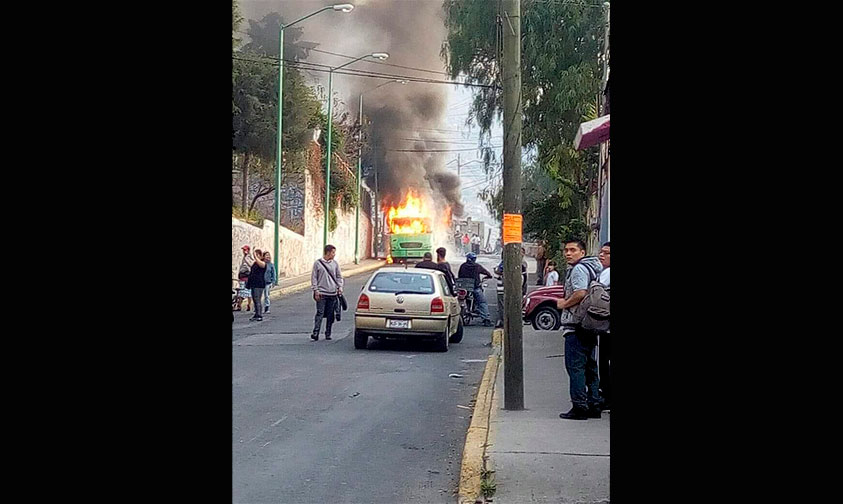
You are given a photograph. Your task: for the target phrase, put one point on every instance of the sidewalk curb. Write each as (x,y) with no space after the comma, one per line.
(277,293)
(476,441)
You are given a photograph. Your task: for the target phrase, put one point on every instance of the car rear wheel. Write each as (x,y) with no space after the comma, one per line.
(457,337)
(361,340)
(546,318)
(442,341)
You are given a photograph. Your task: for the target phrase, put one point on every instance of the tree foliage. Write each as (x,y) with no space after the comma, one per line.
(255,116)
(236,19)
(561,67)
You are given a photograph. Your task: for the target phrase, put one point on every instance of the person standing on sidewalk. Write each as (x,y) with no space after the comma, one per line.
(605,344)
(541,261)
(551,276)
(271,279)
(326,282)
(243,277)
(580,345)
(257,283)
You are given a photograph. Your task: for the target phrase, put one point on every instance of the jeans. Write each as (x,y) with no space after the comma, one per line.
(480,303)
(266,295)
(257,296)
(325,307)
(582,369)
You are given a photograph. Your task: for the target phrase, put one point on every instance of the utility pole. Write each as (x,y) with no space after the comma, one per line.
(513,326)
(377,209)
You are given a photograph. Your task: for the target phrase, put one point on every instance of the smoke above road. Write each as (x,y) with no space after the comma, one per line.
(402,117)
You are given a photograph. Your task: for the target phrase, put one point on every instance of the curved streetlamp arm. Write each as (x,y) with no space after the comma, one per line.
(355,60)
(305,17)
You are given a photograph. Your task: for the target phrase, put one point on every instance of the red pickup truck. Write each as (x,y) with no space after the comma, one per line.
(539,307)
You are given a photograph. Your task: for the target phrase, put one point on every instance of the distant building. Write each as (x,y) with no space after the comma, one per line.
(469,226)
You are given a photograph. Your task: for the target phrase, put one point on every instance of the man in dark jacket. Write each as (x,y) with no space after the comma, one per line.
(472,269)
(446,267)
(428,263)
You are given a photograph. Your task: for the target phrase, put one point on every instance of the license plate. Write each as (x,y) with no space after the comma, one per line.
(397,324)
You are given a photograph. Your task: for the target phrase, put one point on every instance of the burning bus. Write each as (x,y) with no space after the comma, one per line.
(409,229)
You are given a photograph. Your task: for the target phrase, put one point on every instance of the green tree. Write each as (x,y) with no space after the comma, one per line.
(236,19)
(264,38)
(561,69)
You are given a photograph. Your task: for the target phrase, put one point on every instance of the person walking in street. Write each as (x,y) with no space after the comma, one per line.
(428,263)
(472,269)
(499,272)
(271,279)
(466,241)
(605,344)
(580,345)
(541,262)
(446,267)
(257,283)
(475,244)
(326,282)
(551,276)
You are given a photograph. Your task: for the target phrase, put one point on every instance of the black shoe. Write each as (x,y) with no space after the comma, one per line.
(314,337)
(327,337)
(575,414)
(487,323)
(605,406)
(266,309)
(594,413)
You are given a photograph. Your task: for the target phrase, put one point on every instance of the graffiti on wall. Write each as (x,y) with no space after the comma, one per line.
(292,205)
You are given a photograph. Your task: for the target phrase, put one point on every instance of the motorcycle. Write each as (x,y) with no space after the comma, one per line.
(465,295)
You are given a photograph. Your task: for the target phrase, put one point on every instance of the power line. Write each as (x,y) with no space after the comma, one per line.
(359,73)
(379,62)
(438,72)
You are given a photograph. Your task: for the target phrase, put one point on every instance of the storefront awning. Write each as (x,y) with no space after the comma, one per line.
(592,133)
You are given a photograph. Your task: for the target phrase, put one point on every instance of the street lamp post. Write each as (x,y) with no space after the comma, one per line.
(359,170)
(380,56)
(346,8)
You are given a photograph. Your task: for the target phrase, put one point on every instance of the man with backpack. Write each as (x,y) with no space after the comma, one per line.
(580,343)
(326,282)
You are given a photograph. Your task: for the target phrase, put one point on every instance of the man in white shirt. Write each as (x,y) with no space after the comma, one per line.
(605,344)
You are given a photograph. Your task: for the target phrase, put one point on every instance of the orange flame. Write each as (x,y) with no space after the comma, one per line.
(413,217)
(389,259)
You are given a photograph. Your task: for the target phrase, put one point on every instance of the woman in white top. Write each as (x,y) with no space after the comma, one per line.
(552,276)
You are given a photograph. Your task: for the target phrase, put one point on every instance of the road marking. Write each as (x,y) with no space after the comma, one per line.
(279,421)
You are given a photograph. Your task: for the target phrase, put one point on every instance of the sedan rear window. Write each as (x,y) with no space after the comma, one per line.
(407,283)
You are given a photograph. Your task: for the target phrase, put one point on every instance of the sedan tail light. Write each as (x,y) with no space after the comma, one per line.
(363,302)
(462,293)
(437,305)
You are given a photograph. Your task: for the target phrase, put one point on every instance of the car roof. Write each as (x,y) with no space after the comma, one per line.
(394,269)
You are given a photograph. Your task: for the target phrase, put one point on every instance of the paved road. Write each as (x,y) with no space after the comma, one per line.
(323,422)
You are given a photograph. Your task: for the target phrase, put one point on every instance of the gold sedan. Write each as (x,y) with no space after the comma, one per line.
(402,302)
